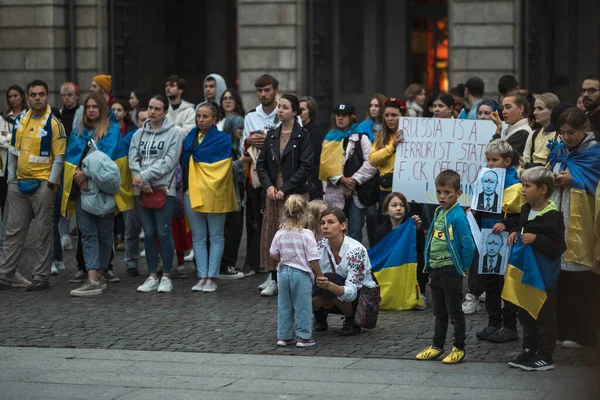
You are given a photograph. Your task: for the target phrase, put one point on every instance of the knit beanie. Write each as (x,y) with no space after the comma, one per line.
(105,82)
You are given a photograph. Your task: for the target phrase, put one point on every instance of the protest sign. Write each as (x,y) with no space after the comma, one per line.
(489,190)
(431,145)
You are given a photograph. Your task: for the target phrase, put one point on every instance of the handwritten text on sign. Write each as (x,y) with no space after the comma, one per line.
(432,145)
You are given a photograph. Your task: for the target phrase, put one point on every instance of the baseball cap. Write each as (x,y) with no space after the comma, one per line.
(347,108)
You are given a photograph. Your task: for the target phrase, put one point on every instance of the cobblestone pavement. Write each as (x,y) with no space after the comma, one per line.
(235,319)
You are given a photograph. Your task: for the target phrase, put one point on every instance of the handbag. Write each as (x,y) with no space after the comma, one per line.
(367,310)
(157,199)
(367,192)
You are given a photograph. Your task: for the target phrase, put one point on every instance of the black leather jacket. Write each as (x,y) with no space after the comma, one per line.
(295,163)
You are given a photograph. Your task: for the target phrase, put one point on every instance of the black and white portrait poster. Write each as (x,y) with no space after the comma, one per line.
(494,256)
(489,190)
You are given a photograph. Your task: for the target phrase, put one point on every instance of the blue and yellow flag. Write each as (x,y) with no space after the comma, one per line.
(210,180)
(394,264)
(332,153)
(113,146)
(513,199)
(524,279)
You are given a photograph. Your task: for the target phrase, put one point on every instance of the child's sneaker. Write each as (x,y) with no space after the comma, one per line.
(503,336)
(471,304)
(487,332)
(424,306)
(456,355)
(305,343)
(430,353)
(536,363)
(284,342)
(522,358)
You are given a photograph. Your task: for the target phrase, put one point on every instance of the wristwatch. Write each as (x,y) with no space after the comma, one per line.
(51,185)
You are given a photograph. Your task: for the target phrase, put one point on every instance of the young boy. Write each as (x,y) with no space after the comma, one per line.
(502,320)
(448,253)
(543,229)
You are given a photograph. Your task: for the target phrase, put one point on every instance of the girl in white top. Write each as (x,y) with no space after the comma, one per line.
(346,268)
(295,250)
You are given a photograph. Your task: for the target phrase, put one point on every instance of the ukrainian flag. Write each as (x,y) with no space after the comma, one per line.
(582,230)
(113,146)
(210,180)
(513,199)
(394,264)
(524,279)
(332,153)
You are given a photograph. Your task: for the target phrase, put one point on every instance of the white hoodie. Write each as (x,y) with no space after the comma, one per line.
(184,118)
(221,87)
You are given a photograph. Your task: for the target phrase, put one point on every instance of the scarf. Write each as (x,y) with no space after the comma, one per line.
(522,124)
(43,127)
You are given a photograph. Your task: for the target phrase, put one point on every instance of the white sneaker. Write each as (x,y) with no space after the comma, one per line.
(165,286)
(211,286)
(151,285)
(424,306)
(143,254)
(270,290)
(263,285)
(66,243)
(54,270)
(142,235)
(571,344)
(189,257)
(471,304)
(59,265)
(199,287)
(482,297)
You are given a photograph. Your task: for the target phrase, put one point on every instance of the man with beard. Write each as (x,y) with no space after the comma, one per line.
(181,113)
(590,93)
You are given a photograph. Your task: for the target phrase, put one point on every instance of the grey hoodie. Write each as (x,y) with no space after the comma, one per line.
(153,155)
(221,87)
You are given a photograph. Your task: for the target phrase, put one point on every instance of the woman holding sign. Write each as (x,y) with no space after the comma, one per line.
(383,154)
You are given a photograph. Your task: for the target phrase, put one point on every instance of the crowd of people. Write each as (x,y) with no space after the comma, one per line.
(187,178)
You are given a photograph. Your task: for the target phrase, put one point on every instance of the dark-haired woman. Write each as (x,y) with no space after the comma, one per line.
(308,115)
(346,268)
(284,168)
(121,114)
(138,101)
(576,166)
(231,104)
(443,106)
(153,155)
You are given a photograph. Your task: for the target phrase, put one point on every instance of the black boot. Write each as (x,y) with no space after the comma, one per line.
(320,320)
(349,328)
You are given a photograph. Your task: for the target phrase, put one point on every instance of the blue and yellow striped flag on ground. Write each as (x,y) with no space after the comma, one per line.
(394,264)
(524,281)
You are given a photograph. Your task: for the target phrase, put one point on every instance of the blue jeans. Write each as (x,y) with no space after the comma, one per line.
(96,237)
(203,225)
(294,303)
(157,225)
(133,228)
(356,219)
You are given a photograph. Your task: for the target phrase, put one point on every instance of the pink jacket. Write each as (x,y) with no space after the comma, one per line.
(334,193)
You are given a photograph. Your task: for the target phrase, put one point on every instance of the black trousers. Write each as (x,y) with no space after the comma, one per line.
(540,335)
(475,281)
(119,228)
(498,316)
(446,290)
(234,225)
(577,301)
(80,259)
(254,218)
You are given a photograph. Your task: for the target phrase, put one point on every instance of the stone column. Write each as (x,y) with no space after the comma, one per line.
(485,41)
(271,39)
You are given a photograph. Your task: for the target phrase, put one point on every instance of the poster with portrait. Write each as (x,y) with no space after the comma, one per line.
(489,190)
(494,256)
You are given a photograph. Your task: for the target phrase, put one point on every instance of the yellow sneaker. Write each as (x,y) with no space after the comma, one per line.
(430,353)
(455,356)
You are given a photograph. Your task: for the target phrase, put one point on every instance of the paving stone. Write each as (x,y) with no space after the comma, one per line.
(20,391)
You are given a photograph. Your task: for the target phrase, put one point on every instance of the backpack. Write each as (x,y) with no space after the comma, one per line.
(367,192)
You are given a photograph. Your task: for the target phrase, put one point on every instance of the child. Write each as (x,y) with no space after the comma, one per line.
(543,229)
(448,253)
(396,207)
(295,250)
(502,320)
(315,208)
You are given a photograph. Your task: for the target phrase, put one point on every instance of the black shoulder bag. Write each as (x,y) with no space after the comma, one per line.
(368,192)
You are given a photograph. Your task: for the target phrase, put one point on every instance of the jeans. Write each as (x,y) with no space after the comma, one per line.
(96,237)
(446,291)
(64,225)
(498,316)
(356,219)
(157,225)
(133,228)
(58,250)
(234,224)
(203,225)
(294,303)
(254,219)
(540,335)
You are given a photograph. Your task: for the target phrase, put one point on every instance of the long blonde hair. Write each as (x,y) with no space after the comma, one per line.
(101,126)
(315,208)
(294,213)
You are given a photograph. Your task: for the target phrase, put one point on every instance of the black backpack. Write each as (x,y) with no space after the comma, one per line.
(368,192)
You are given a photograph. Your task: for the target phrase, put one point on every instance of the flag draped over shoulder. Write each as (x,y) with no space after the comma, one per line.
(332,153)
(113,146)
(584,167)
(513,199)
(394,264)
(210,179)
(524,279)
